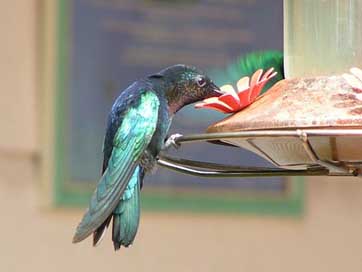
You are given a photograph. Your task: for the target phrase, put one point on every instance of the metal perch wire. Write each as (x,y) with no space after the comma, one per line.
(317,164)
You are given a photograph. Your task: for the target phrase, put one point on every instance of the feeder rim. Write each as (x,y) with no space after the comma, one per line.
(215,136)
(215,170)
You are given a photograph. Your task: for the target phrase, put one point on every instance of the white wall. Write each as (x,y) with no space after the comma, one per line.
(327,238)
(18,102)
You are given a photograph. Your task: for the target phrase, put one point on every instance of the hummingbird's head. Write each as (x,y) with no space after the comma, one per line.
(187,85)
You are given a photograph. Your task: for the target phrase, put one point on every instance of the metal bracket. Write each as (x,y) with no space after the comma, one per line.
(213,170)
(333,168)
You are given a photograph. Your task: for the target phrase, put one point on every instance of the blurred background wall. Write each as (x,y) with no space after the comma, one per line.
(326,238)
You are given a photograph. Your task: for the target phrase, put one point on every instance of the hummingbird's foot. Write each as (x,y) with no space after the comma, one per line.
(171,141)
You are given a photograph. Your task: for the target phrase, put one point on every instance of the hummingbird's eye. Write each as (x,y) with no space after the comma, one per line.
(201,81)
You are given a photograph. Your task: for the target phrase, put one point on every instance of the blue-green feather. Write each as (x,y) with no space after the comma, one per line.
(132,129)
(127,213)
(131,186)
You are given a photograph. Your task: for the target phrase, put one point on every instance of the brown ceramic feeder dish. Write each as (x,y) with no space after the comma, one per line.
(301,122)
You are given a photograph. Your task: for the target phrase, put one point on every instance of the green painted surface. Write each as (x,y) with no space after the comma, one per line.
(60,194)
(67,194)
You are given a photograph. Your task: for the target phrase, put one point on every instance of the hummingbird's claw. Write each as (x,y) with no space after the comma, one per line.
(172,141)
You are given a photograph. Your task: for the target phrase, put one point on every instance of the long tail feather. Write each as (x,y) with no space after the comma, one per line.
(99,233)
(127,213)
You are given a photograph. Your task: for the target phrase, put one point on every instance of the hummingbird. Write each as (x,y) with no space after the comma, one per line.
(137,128)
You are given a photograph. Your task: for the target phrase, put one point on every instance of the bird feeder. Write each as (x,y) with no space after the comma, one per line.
(309,124)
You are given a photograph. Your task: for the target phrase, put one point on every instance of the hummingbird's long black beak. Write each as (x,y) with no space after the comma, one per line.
(216,90)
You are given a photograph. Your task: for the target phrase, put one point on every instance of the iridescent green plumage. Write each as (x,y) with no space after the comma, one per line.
(136,130)
(126,215)
(131,139)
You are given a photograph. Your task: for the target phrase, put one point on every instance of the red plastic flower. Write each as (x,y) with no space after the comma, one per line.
(248,90)
(354,78)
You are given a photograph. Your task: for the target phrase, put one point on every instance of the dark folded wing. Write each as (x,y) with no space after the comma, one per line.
(131,139)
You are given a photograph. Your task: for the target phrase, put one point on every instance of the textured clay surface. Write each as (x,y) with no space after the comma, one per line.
(318,102)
